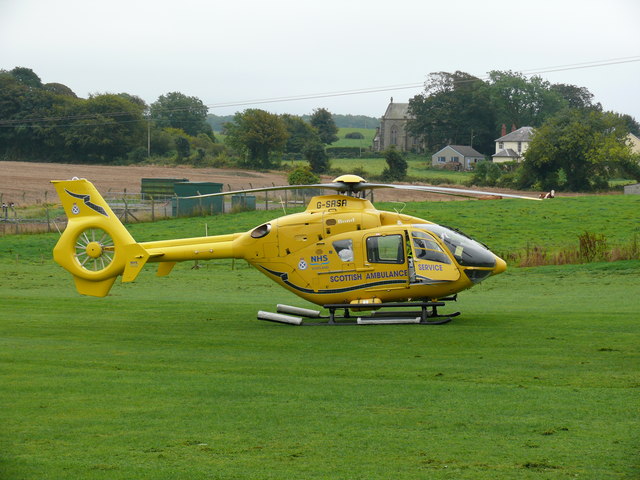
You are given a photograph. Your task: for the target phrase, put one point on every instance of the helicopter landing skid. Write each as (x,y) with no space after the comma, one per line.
(426,315)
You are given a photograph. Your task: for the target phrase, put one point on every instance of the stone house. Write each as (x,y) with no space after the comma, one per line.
(456,157)
(393,130)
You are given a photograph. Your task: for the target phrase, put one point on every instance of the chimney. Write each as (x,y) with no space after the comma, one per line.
(513,127)
(504,130)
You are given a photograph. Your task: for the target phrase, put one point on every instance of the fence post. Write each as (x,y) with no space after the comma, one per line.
(153,209)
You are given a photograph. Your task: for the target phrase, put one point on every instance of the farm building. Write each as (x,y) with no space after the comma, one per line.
(456,157)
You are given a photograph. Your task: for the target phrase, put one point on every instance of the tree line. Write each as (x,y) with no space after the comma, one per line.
(577,146)
(49,122)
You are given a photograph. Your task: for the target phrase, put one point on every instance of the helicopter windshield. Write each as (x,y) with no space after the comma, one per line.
(466,251)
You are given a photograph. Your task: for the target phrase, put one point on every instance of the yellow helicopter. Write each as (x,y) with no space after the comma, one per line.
(340,253)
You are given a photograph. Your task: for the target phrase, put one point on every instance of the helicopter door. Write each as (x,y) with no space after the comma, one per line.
(430,262)
(387,260)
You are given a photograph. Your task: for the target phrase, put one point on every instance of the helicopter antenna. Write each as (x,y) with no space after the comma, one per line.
(403,206)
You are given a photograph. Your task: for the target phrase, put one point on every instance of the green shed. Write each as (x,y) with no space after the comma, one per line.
(196,206)
(159,187)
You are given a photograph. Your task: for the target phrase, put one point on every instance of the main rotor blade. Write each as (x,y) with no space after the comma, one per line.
(331,186)
(442,190)
(356,187)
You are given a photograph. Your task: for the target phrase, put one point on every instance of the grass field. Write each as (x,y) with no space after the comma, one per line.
(174,378)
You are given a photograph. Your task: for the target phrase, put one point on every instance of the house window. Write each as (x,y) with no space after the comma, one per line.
(519,147)
(394,135)
(455,159)
(500,145)
(442,159)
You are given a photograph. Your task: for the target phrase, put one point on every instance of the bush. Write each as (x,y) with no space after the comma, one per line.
(343,152)
(303,176)
(397,165)
(317,158)
(354,135)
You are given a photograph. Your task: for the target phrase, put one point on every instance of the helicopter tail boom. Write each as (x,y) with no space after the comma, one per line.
(96,247)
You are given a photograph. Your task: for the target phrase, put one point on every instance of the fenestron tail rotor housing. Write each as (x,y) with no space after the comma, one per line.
(94,249)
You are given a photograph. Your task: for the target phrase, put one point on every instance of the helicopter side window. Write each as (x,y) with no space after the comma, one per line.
(426,248)
(385,249)
(344,249)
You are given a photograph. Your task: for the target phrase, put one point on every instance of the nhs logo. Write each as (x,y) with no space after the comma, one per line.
(319,260)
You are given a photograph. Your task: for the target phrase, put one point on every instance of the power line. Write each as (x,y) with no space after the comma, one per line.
(388,88)
(17,123)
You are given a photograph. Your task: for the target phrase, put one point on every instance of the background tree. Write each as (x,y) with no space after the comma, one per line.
(632,125)
(317,157)
(300,133)
(177,110)
(523,101)
(455,108)
(183,148)
(397,165)
(107,128)
(322,121)
(27,77)
(258,135)
(578,150)
(576,97)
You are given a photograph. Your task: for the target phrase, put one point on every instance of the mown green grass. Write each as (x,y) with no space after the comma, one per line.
(364,143)
(174,378)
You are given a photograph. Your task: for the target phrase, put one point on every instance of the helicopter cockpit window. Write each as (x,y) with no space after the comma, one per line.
(385,249)
(466,251)
(344,249)
(261,231)
(426,248)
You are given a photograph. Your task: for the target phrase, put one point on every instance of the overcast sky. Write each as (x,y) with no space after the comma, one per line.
(247,50)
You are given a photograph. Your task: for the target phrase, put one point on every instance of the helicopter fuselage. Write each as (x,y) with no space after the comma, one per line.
(341,249)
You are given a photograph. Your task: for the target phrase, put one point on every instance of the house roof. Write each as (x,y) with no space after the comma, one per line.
(507,152)
(523,134)
(464,150)
(397,111)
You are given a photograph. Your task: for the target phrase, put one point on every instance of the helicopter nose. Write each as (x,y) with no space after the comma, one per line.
(500,267)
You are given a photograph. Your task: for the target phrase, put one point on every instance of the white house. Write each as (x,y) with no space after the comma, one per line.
(634,142)
(458,157)
(511,147)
